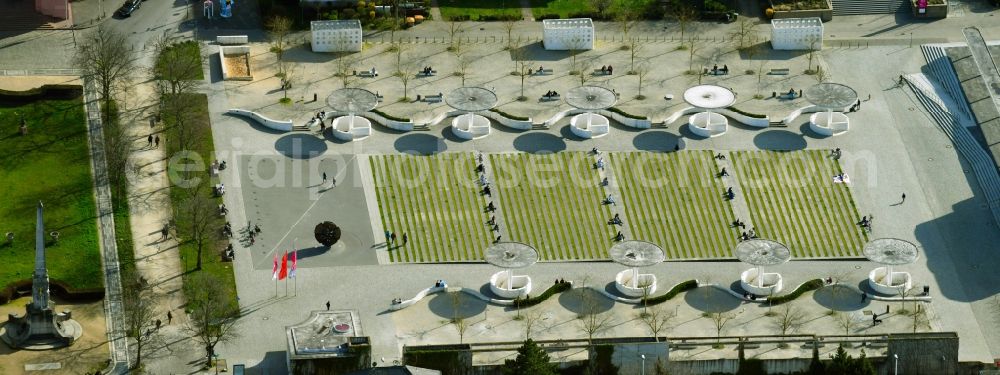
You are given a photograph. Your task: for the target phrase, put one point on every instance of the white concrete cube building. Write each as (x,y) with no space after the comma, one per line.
(797,33)
(568,34)
(336,36)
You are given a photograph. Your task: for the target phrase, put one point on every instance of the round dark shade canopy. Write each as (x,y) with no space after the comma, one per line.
(511,255)
(761,252)
(590,98)
(471,99)
(352,100)
(831,95)
(891,251)
(636,253)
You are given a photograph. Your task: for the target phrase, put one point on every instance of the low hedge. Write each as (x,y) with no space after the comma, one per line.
(552,290)
(550,16)
(805,287)
(626,114)
(389,117)
(57,288)
(499,17)
(677,289)
(747,114)
(508,115)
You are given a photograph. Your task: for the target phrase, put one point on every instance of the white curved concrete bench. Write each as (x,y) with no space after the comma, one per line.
(829,123)
(417,298)
(510,123)
(478,128)
(877,279)
(772,283)
(708,124)
(680,113)
(757,122)
(807,109)
(623,282)
(597,125)
(627,121)
(343,129)
(391,124)
(520,285)
(285,126)
(440,117)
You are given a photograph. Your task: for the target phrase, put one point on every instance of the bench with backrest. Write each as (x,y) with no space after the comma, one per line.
(779,72)
(598,72)
(543,72)
(367,74)
(433,98)
(550,98)
(424,73)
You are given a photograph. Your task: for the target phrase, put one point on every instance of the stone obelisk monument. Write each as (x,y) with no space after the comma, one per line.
(41,328)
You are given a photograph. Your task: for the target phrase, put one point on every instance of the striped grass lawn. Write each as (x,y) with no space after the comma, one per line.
(553,202)
(793,199)
(435,200)
(675,201)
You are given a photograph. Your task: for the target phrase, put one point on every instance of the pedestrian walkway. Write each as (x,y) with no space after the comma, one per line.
(739,201)
(436,12)
(526,11)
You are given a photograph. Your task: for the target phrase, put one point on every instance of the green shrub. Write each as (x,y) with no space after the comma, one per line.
(388,116)
(747,114)
(626,114)
(677,289)
(508,115)
(552,290)
(805,287)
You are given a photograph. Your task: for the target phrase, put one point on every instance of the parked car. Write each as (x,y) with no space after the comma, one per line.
(127,8)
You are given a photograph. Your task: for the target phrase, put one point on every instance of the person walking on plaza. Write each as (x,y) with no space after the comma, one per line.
(388,236)
(405,239)
(324,177)
(156,141)
(170,317)
(904,199)
(327,305)
(149,141)
(393,237)
(158,324)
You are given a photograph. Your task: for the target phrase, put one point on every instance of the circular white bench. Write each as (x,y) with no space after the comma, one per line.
(470,126)
(708,124)
(624,282)
(878,282)
(345,129)
(829,123)
(589,125)
(508,287)
(772,282)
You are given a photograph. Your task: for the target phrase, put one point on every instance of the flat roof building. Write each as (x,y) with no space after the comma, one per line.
(568,34)
(336,36)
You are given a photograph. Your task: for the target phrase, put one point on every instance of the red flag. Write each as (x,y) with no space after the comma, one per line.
(283,273)
(274,268)
(295,264)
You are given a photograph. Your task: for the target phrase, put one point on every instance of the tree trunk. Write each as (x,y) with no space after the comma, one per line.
(210,349)
(197,267)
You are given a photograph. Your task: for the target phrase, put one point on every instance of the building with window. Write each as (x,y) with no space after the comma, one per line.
(797,33)
(336,36)
(568,34)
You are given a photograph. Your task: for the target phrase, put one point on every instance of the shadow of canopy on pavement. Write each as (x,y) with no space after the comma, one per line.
(300,146)
(657,141)
(420,144)
(585,300)
(779,140)
(839,297)
(450,305)
(711,299)
(539,143)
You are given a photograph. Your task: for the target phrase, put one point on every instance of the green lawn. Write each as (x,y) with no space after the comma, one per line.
(211,259)
(564,8)
(475,9)
(186,51)
(553,202)
(434,200)
(675,201)
(793,199)
(51,164)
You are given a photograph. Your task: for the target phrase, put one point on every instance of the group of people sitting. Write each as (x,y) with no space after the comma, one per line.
(440,284)
(220,190)
(716,70)
(748,235)
(219,166)
(427,71)
(615,220)
(607,69)
(550,94)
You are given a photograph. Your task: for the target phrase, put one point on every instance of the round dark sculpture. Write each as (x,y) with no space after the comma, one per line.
(327,233)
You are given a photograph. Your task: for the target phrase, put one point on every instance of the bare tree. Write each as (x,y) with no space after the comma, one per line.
(760,78)
(508,26)
(344,68)
(139,309)
(847,321)
(575,46)
(692,49)
(919,319)
(454,28)
(626,12)
(642,71)
(461,325)
(182,113)
(720,319)
(658,320)
(821,74)
(175,69)
(405,71)
(523,71)
(744,33)
(592,321)
(199,213)
(463,62)
(213,317)
(683,14)
(789,319)
(278,27)
(530,320)
(635,47)
(288,76)
(106,57)
(814,46)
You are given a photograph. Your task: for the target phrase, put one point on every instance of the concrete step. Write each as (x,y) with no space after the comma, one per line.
(421,128)
(539,127)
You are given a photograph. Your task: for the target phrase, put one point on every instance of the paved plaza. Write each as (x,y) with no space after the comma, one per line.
(874,156)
